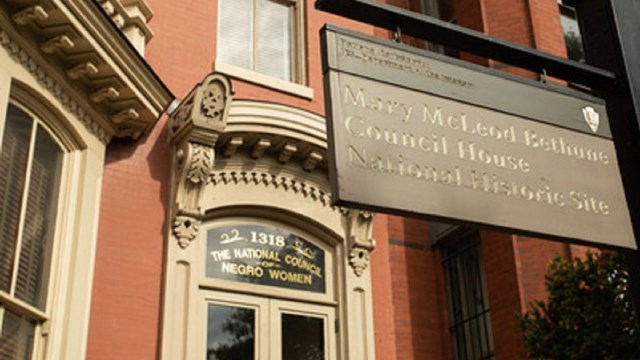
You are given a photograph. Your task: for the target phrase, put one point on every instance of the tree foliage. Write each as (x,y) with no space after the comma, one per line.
(589,313)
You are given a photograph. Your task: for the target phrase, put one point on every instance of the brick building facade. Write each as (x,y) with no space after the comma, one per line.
(241,155)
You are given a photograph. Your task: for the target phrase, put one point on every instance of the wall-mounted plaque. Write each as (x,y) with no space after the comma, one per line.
(265,255)
(419,134)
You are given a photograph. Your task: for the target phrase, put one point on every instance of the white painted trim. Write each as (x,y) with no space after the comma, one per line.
(65,334)
(264,80)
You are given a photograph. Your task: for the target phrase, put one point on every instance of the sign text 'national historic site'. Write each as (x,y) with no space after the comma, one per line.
(420,135)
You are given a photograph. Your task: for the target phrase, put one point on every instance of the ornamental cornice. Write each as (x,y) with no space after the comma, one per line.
(283,182)
(267,130)
(79,54)
(46,80)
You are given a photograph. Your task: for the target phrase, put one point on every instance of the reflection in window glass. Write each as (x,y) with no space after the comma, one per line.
(16,337)
(302,338)
(40,217)
(571,30)
(14,157)
(230,333)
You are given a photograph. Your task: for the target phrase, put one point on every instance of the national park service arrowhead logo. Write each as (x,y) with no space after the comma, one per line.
(592,118)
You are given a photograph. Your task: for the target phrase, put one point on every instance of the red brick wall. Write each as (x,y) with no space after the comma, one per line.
(382,292)
(408,282)
(417,289)
(125,308)
(504,293)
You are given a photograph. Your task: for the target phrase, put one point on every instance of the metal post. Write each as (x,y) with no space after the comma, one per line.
(610,31)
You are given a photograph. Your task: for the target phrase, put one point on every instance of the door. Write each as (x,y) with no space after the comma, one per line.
(246,327)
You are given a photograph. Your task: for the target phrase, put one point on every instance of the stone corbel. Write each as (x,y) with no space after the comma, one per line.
(194,128)
(360,242)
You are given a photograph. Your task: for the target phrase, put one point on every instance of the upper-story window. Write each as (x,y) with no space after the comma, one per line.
(571,30)
(30,170)
(443,10)
(262,36)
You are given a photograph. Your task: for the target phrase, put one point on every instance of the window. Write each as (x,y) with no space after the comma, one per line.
(571,30)
(251,327)
(468,304)
(443,10)
(267,292)
(263,36)
(30,170)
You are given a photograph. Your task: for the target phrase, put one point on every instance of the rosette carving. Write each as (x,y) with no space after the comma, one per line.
(194,127)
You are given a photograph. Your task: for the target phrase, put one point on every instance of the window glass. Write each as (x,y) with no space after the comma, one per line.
(274,40)
(16,338)
(38,231)
(235,33)
(230,333)
(302,337)
(571,30)
(470,315)
(13,168)
(257,35)
(30,170)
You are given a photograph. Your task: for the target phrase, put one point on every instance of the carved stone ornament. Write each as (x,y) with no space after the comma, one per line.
(185,229)
(194,127)
(360,242)
(359,260)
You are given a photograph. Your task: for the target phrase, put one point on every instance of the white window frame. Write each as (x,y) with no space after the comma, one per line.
(10,302)
(268,321)
(63,331)
(298,85)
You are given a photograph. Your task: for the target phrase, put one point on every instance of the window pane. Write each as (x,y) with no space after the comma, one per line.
(13,161)
(302,338)
(235,33)
(37,236)
(470,315)
(572,37)
(16,339)
(230,333)
(274,39)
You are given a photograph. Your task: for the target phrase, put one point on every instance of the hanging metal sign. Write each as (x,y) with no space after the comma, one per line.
(415,133)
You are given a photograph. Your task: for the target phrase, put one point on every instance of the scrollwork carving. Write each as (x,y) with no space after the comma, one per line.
(360,242)
(194,140)
(201,164)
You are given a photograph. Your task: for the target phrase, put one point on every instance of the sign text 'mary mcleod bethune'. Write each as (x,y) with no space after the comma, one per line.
(417,134)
